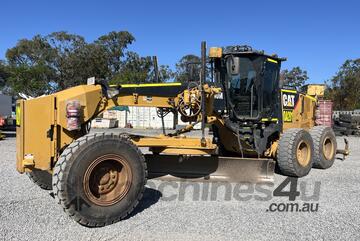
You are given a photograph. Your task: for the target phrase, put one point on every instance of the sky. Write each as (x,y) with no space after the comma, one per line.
(318,36)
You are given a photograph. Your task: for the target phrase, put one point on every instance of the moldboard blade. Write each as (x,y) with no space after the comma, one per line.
(210,168)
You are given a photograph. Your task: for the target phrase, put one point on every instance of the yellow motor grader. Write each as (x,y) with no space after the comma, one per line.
(99,178)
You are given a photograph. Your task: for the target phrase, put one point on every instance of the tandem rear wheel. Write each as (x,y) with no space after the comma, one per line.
(99,179)
(324,146)
(296,152)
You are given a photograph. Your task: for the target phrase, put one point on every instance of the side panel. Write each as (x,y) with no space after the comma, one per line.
(34,134)
(298,110)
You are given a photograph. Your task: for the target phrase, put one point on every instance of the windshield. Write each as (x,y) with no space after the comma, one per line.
(242,87)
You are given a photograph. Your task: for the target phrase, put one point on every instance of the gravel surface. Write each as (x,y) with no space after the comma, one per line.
(29,213)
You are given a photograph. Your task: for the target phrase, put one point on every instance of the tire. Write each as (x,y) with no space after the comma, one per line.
(288,160)
(324,146)
(41,178)
(99,179)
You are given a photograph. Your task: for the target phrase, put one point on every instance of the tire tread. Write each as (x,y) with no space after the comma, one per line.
(61,168)
(285,155)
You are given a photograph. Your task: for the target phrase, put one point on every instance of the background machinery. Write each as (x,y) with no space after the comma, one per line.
(99,178)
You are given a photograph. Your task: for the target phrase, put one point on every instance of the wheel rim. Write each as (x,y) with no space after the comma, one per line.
(328,148)
(303,153)
(107,180)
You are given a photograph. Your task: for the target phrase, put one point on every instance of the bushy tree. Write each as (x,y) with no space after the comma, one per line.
(30,66)
(188,69)
(165,73)
(45,64)
(114,45)
(295,78)
(66,60)
(344,87)
(135,69)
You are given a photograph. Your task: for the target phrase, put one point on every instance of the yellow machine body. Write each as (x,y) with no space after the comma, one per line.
(42,132)
(256,123)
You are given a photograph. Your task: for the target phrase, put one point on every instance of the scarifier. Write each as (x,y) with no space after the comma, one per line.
(99,178)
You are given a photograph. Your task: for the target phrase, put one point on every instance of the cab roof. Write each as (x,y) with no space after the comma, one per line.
(246,49)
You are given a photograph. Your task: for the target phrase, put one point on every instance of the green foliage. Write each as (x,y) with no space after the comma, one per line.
(114,45)
(29,67)
(30,52)
(188,69)
(67,49)
(295,78)
(344,87)
(45,64)
(31,80)
(165,73)
(134,70)
(137,69)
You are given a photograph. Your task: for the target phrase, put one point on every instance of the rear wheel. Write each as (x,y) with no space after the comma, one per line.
(324,146)
(41,178)
(295,153)
(99,179)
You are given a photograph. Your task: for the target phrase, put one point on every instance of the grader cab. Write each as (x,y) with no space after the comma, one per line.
(257,125)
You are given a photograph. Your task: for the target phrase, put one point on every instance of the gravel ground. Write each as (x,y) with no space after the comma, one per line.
(29,213)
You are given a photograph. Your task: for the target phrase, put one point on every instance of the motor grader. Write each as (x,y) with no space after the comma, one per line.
(99,178)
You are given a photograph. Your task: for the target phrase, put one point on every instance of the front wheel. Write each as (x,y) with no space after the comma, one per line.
(41,178)
(99,179)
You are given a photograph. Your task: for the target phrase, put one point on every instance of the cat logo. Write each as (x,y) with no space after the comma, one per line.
(288,100)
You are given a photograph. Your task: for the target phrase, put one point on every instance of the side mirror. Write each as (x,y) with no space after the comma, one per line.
(233,65)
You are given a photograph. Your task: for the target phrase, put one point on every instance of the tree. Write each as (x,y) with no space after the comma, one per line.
(294,78)
(30,66)
(165,73)
(30,52)
(135,69)
(65,59)
(45,64)
(114,45)
(188,69)
(344,87)
(31,80)
(94,62)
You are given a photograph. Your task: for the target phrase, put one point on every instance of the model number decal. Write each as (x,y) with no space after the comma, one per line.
(287,115)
